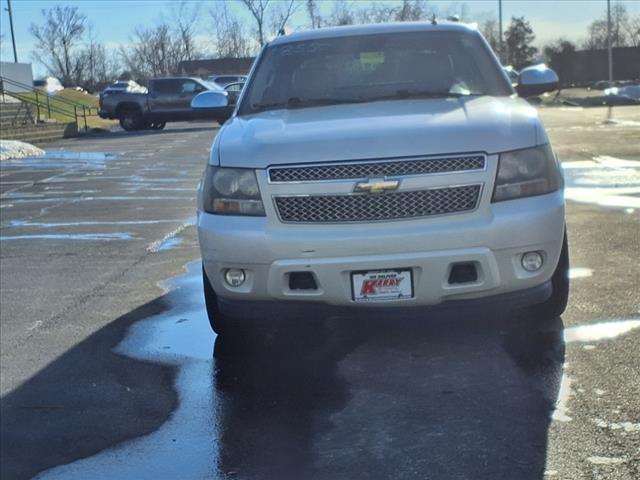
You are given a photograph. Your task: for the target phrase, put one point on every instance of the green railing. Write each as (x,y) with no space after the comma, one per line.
(53,108)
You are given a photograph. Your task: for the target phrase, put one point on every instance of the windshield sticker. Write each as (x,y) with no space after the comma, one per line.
(369,58)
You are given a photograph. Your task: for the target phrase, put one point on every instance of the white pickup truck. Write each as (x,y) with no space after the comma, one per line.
(381,166)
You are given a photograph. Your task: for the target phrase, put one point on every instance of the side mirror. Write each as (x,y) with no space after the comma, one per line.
(536,80)
(210,99)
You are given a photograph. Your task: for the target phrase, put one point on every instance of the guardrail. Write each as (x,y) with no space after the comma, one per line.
(61,107)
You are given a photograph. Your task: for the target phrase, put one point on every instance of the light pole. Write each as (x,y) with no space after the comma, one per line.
(13,37)
(500,31)
(610,53)
(609,110)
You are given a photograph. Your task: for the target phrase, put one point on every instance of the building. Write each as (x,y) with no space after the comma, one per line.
(215,66)
(583,67)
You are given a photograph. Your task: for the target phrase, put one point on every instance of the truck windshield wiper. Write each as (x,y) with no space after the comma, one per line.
(429,94)
(296,102)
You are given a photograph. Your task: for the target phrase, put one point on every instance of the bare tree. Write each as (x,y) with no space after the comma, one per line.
(155,51)
(281,14)
(270,17)
(158,50)
(232,40)
(58,41)
(342,14)
(372,13)
(490,31)
(632,30)
(97,64)
(379,12)
(410,11)
(258,9)
(597,33)
(185,16)
(314,15)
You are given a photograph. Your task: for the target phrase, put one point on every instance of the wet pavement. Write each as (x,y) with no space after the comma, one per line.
(109,368)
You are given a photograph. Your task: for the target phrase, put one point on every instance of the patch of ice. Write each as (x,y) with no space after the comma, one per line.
(605,181)
(560,412)
(580,272)
(599,331)
(606,460)
(76,236)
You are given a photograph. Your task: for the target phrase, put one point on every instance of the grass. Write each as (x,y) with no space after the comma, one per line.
(62,111)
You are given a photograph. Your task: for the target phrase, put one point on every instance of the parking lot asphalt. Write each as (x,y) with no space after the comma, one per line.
(108,365)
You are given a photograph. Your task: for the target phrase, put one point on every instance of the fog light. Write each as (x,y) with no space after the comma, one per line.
(234,277)
(532,261)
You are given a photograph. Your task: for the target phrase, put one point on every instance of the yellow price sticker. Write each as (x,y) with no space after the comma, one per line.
(368,58)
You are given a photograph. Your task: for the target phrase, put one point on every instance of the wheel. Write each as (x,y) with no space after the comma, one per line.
(220,323)
(131,120)
(158,125)
(556,304)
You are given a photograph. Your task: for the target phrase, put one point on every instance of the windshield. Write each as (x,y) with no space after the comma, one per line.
(366,68)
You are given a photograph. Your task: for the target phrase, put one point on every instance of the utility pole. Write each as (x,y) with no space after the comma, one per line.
(500,31)
(13,36)
(609,110)
(609,40)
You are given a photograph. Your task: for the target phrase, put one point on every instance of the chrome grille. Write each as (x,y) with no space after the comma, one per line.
(374,207)
(391,168)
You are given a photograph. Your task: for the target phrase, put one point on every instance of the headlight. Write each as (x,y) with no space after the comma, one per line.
(231,191)
(525,173)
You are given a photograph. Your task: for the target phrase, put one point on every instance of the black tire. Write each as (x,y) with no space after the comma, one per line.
(220,323)
(158,125)
(130,119)
(556,304)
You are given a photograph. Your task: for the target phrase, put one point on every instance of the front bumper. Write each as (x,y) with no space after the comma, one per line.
(493,238)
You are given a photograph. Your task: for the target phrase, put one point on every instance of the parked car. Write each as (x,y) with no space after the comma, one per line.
(167,100)
(51,85)
(124,86)
(224,80)
(234,89)
(381,166)
(628,94)
(602,85)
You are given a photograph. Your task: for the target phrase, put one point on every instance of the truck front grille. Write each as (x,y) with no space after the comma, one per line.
(385,168)
(373,207)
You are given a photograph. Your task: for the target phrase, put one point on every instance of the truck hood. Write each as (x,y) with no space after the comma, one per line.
(378,130)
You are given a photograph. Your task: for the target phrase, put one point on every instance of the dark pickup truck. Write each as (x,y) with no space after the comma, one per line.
(168,100)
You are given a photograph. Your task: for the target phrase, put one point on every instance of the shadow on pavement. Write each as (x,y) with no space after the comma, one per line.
(430,398)
(443,396)
(118,133)
(88,399)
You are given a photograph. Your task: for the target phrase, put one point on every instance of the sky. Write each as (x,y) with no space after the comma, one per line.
(113,21)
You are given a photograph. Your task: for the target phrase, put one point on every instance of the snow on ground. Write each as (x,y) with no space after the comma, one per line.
(16,149)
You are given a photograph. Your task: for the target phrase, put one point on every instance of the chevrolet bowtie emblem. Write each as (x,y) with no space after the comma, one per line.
(377,186)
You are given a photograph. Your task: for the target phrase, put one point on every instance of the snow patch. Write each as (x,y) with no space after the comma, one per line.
(16,149)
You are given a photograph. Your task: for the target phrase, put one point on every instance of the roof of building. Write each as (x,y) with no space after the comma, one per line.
(216,66)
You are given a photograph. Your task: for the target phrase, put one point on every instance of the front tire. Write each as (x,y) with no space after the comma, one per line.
(220,323)
(131,120)
(556,304)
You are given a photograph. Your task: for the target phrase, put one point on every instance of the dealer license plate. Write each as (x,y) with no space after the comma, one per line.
(382,285)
